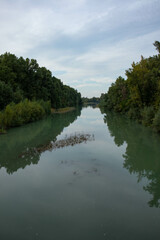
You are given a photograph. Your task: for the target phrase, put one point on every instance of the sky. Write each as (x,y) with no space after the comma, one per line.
(85,43)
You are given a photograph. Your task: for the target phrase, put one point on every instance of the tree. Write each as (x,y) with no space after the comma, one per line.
(23,78)
(157,45)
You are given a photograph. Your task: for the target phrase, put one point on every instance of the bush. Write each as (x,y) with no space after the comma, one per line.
(156,122)
(6,95)
(1,121)
(134,113)
(46,106)
(23,112)
(8,116)
(148,114)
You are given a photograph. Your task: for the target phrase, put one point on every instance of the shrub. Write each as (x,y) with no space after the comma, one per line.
(6,95)
(23,112)
(148,114)
(46,106)
(1,121)
(8,116)
(156,122)
(134,113)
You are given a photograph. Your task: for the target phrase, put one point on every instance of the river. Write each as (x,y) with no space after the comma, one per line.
(104,188)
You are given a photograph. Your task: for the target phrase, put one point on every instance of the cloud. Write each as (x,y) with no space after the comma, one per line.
(88,85)
(87,43)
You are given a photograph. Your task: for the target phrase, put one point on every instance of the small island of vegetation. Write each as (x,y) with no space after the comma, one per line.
(139,95)
(28,92)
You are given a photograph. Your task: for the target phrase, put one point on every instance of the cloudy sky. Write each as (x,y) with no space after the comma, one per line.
(85,43)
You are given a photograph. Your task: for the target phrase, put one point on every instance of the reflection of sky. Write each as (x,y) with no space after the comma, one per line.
(86,43)
(79,192)
(91,121)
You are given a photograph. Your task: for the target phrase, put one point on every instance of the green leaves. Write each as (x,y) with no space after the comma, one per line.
(157,45)
(6,94)
(139,95)
(23,78)
(23,112)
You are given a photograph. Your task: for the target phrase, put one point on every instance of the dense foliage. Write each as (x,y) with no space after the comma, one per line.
(139,94)
(90,101)
(23,78)
(23,112)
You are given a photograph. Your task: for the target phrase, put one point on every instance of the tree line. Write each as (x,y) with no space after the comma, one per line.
(138,96)
(90,101)
(22,79)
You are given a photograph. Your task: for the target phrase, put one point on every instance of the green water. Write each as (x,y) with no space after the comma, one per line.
(107,188)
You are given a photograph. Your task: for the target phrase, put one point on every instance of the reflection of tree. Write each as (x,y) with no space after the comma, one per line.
(17,140)
(142,152)
(65,142)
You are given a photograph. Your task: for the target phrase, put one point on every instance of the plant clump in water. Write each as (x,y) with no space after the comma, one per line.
(67,141)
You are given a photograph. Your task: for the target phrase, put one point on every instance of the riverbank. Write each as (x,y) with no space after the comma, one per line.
(138,96)
(15,115)
(16,123)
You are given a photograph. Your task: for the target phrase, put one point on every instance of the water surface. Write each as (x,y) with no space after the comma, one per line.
(107,188)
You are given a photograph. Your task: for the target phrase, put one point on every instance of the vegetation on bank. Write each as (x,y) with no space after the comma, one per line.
(90,101)
(139,95)
(32,136)
(22,79)
(15,115)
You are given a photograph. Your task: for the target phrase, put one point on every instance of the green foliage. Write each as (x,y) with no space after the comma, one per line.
(148,114)
(90,101)
(17,96)
(46,106)
(6,94)
(117,96)
(139,95)
(1,122)
(134,113)
(157,45)
(103,100)
(156,122)
(23,112)
(23,78)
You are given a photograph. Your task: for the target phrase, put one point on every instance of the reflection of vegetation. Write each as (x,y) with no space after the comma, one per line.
(30,136)
(67,141)
(142,152)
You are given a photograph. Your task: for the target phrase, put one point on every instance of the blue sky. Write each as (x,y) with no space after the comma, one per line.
(85,43)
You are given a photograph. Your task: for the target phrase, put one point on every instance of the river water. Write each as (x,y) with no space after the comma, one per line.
(105,188)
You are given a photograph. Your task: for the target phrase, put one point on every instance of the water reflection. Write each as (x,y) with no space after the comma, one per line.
(72,140)
(30,136)
(142,155)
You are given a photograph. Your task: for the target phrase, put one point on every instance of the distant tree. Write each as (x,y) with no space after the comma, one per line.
(157,45)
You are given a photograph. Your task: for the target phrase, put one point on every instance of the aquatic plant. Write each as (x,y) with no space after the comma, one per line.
(72,140)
